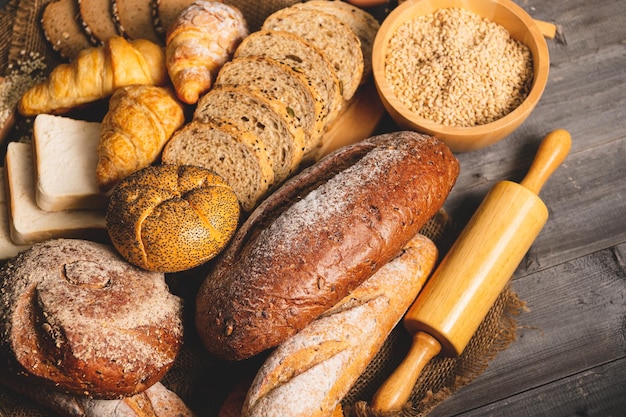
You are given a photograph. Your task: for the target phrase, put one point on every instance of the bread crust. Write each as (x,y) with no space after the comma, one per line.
(75,316)
(318,237)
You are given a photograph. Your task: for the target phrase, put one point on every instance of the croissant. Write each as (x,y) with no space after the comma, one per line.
(95,74)
(140,120)
(198,43)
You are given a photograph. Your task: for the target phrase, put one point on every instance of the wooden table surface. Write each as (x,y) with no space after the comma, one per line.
(569,358)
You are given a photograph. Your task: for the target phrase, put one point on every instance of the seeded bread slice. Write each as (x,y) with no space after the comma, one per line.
(96,17)
(364,25)
(164,12)
(302,57)
(248,111)
(62,30)
(134,19)
(330,35)
(276,81)
(234,155)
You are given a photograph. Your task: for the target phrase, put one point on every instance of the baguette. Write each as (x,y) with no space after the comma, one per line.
(318,237)
(309,374)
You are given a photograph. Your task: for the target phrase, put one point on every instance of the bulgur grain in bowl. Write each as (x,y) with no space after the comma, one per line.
(468,72)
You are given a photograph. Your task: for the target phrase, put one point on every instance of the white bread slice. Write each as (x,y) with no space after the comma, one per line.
(278,82)
(28,223)
(330,35)
(304,58)
(65,155)
(363,24)
(238,157)
(248,111)
(96,17)
(8,248)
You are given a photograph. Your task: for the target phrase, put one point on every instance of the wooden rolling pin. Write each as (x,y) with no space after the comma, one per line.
(474,272)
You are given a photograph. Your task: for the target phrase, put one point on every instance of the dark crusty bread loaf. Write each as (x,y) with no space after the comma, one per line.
(266,118)
(74,315)
(318,237)
(309,373)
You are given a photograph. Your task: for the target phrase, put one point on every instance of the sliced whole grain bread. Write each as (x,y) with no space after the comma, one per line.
(329,34)
(96,17)
(134,19)
(364,25)
(62,30)
(248,111)
(276,81)
(164,12)
(232,154)
(302,57)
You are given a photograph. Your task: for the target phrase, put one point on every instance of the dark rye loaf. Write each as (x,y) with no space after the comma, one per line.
(318,237)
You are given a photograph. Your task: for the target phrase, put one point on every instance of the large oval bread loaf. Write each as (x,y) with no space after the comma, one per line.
(318,237)
(75,316)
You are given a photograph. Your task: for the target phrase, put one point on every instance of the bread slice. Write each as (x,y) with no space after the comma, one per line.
(363,24)
(28,223)
(8,248)
(65,156)
(249,111)
(277,81)
(330,35)
(164,12)
(134,19)
(96,17)
(235,156)
(62,30)
(304,58)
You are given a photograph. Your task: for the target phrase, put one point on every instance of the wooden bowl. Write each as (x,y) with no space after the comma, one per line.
(463,139)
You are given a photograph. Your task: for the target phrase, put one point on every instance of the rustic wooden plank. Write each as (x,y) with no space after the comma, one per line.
(575,322)
(599,391)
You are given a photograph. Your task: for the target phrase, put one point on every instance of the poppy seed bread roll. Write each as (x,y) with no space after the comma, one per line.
(318,237)
(171,218)
(76,317)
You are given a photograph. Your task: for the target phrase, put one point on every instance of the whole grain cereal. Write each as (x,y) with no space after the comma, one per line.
(455,68)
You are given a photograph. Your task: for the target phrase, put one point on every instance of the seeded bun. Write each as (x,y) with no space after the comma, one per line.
(170,218)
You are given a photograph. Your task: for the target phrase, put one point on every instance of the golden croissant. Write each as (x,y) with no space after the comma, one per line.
(198,43)
(95,74)
(140,120)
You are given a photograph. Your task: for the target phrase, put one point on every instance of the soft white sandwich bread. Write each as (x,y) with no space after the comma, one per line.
(65,155)
(28,223)
(8,248)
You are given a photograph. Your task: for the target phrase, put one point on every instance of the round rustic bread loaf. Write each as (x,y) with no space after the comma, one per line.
(171,218)
(76,316)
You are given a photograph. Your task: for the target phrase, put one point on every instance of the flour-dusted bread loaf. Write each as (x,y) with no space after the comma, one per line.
(8,248)
(62,30)
(329,34)
(266,118)
(277,81)
(139,122)
(171,218)
(362,23)
(318,237)
(96,17)
(30,224)
(134,20)
(304,58)
(76,316)
(238,157)
(65,155)
(310,373)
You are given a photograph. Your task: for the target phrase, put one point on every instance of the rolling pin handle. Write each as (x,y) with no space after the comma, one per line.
(394,393)
(551,153)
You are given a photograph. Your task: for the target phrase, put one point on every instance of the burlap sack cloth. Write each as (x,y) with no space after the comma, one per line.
(205,382)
